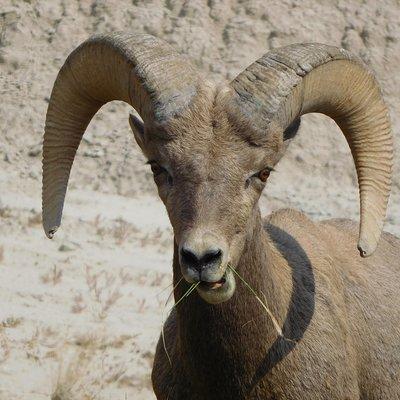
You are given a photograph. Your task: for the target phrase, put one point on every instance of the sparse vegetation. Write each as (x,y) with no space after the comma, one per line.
(32,350)
(119,229)
(122,231)
(153,278)
(83,374)
(35,219)
(79,304)
(104,292)
(73,378)
(4,348)
(5,212)
(54,276)
(10,322)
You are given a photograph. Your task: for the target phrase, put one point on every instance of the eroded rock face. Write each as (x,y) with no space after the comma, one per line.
(222,37)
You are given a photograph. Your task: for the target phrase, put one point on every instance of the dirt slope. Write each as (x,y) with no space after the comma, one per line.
(80,315)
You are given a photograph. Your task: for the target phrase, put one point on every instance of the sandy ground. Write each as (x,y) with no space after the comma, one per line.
(80,315)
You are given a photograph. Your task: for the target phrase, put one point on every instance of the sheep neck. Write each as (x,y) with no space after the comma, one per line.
(225,342)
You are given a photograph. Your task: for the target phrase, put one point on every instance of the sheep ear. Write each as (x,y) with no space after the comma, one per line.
(291,131)
(137,127)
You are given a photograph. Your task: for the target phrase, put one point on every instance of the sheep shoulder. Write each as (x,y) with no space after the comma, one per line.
(365,290)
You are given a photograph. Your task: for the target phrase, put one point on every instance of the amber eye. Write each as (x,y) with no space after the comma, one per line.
(263,175)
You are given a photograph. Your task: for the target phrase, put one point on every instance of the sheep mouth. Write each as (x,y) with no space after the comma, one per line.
(213,285)
(218,291)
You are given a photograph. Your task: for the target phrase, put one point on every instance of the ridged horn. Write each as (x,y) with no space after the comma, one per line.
(302,78)
(139,69)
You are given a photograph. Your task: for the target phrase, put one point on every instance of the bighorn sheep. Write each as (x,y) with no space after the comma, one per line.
(211,149)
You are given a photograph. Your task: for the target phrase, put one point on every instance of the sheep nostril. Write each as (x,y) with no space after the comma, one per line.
(189,258)
(208,258)
(211,257)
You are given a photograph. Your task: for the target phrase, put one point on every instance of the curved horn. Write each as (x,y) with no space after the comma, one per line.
(139,69)
(302,78)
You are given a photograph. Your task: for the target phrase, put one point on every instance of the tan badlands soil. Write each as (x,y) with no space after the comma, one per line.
(80,315)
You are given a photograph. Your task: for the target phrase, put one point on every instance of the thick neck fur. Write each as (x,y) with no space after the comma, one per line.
(236,341)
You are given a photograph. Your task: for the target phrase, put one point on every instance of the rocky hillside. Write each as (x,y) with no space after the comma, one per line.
(93,289)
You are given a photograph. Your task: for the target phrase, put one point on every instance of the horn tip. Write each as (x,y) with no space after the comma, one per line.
(50,231)
(365,248)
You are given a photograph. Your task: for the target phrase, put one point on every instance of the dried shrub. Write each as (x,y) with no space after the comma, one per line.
(79,304)
(35,219)
(122,231)
(10,322)
(53,276)
(5,212)
(4,348)
(103,291)
(82,375)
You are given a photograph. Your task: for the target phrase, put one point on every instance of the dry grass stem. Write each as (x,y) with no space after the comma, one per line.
(263,303)
(186,294)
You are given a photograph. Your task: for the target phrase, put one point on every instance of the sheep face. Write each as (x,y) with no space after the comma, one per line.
(210,176)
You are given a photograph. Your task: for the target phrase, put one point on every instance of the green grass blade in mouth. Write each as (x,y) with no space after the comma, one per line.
(189,292)
(172,291)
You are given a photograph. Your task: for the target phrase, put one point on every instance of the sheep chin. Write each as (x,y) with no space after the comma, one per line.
(219,295)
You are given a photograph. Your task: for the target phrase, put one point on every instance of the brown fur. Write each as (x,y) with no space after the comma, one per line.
(340,313)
